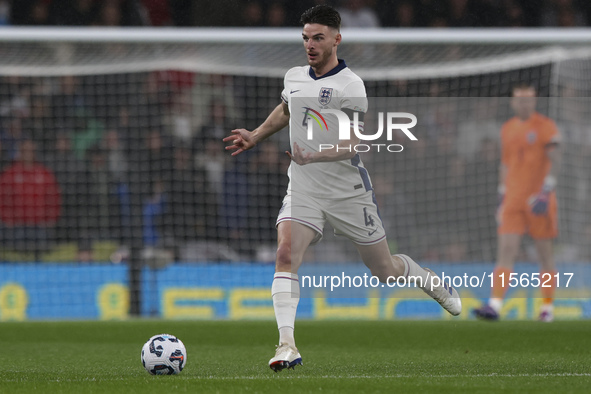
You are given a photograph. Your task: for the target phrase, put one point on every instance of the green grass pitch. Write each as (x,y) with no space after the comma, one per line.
(339,357)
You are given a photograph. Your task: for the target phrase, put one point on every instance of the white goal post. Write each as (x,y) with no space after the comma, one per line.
(486,50)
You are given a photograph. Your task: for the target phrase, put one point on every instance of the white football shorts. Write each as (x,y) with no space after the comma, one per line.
(356,218)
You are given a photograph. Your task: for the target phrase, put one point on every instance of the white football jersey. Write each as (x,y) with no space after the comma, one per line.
(306,95)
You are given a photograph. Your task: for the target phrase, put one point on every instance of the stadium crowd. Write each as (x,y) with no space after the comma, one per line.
(76,166)
(280,13)
(137,159)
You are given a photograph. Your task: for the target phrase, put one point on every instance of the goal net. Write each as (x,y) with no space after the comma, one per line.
(131,182)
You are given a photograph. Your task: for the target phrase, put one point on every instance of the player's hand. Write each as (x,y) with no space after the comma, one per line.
(300,156)
(539,203)
(241,140)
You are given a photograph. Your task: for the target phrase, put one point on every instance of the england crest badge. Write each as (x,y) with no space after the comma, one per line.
(324,96)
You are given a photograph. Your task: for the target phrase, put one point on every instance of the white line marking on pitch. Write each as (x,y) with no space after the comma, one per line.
(285,376)
(492,375)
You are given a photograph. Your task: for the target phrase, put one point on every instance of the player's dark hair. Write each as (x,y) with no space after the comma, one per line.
(523,86)
(323,15)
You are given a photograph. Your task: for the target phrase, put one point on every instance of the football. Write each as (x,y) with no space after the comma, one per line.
(164,354)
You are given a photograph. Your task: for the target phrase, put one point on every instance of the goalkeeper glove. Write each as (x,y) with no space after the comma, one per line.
(539,202)
(500,199)
(500,195)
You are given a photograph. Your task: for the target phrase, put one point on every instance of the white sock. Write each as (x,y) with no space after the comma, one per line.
(286,296)
(496,304)
(412,269)
(286,336)
(547,308)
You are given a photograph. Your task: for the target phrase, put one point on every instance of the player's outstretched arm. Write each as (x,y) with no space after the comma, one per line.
(242,139)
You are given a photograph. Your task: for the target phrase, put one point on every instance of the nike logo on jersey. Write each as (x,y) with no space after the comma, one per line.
(293,91)
(370,233)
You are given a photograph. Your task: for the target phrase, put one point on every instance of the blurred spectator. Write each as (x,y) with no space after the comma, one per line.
(191,213)
(148,105)
(180,118)
(40,125)
(217,13)
(150,166)
(514,15)
(356,13)
(117,161)
(182,12)
(267,182)
(30,203)
(476,124)
(567,17)
(70,173)
(124,128)
(212,159)
(158,12)
(562,13)
(11,136)
(87,132)
(459,14)
(4,161)
(276,15)
(16,100)
(482,180)
(118,167)
(109,14)
(4,12)
(216,127)
(131,13)
(214,99)
(431,13)
(234,213)
(253,14)
(404,15)
(152,162)
(74,12)
(455,197)
(455,249)
(38,14)
(396,209)
(486,13)
(153,211)
(68,102)
(103,212)
(438,22)
(183,212)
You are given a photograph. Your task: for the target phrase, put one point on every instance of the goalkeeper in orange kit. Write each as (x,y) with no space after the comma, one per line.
(527,198)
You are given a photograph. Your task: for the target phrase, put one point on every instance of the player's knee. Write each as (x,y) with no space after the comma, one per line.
(283,261)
